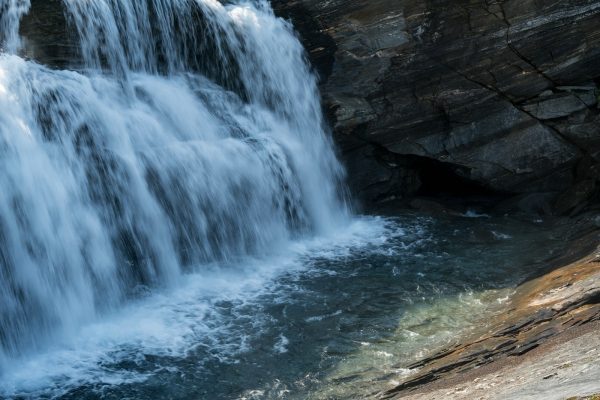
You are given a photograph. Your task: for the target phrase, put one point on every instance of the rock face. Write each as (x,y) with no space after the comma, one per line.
(500,95)
(46,35)
(434,96)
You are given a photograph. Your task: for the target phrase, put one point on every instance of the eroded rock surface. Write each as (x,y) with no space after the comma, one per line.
(502,94)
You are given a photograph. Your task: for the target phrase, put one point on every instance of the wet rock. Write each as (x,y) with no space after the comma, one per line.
(531,203)
(578,194)
(46,34)
(376,178)
(584,131)
(431,206)
(543,308)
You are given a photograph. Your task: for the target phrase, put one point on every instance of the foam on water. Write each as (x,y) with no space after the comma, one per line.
(190,135)
(176,322)
(173,201)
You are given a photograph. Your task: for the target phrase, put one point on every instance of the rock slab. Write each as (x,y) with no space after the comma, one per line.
(502,93)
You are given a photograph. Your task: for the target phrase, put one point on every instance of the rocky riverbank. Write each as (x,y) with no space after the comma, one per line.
(517,353)
(438,100)
(564,368)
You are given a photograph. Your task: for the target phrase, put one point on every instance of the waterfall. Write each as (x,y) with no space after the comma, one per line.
(11,12)
(190,134)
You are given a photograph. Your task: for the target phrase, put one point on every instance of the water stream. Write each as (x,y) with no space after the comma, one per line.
(142,166)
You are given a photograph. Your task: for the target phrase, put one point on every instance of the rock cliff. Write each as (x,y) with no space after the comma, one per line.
(438,96)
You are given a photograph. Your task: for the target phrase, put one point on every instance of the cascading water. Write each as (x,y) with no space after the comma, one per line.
(171,223)
(191,134)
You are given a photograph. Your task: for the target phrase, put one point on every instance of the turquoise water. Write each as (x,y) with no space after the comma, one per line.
(174,220)
(334,318)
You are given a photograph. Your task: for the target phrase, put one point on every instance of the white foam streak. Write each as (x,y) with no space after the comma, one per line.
(11,12)
(175,322)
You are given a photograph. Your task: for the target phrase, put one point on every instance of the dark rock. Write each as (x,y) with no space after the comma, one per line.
(430,206)
(46,35)
(584,131)
(376,177)
(578,194)
(531,203)
(525,348)
(476,85)
(562,105)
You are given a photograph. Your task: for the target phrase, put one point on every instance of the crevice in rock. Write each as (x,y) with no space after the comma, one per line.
(412,176)
(446,179)
(518,106)
(517,52)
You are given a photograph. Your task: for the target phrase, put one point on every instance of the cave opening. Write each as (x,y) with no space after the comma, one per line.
(449,181)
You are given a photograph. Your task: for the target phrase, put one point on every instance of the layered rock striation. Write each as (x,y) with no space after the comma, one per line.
(448,95)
